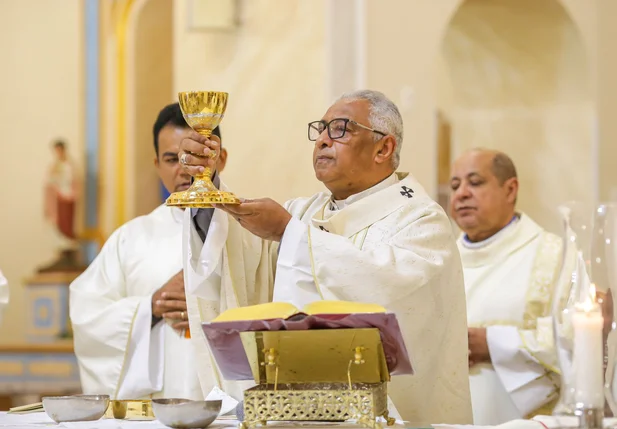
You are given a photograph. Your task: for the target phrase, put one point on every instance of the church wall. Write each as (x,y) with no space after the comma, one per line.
(607,99)
(524,90)
(41,99)
(403,61)
(150,83)
(273,66)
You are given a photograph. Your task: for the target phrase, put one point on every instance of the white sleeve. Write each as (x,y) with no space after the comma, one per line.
(108,326)
(294,267)
(526,378)
(145,359)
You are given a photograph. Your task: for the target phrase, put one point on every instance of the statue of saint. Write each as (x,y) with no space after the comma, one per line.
(61,194)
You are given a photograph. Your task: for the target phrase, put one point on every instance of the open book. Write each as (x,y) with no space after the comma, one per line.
(223,333)
(285,310)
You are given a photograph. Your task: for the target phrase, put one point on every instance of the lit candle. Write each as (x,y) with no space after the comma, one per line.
(587,323)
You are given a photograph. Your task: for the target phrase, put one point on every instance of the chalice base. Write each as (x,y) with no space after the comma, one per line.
(202,194)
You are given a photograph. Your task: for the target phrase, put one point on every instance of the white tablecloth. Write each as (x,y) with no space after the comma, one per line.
(41,420)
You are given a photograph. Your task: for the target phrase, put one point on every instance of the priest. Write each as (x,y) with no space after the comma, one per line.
(375,237)
(128,308)
(510,265)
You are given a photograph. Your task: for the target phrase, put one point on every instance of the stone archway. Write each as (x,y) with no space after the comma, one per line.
(514,76)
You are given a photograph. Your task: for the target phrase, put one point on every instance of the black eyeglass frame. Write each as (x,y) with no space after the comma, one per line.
(347,121)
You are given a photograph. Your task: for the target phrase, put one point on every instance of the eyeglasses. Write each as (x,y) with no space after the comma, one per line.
(337,128)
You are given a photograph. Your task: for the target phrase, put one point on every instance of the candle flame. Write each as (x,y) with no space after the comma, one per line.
(590,303)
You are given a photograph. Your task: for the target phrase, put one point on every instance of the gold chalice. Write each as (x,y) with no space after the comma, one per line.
(202,111)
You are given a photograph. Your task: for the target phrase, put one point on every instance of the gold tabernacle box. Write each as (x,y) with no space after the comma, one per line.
(319,366)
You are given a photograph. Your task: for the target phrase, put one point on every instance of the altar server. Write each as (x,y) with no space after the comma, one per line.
(128,308)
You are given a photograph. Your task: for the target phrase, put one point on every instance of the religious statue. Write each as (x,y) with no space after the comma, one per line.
(61,195)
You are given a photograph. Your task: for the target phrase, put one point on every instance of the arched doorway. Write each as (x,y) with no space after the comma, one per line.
(513,76)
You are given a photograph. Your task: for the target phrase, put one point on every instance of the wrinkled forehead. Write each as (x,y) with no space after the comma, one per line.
(473,163)
(357,110)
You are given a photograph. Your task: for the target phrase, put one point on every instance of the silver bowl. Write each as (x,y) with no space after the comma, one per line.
(184,413)
(80,408)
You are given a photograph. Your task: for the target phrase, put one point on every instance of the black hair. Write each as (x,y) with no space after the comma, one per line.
(60,144)
(172,115)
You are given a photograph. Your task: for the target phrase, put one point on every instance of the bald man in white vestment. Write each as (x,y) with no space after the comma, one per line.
(4,294)
(128,308)
(375,237)
(510,264)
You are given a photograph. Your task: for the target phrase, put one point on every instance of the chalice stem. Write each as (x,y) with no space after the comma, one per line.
(204,179)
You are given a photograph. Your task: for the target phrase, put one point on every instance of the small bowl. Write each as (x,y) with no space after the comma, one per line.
(80,408)
(184,413)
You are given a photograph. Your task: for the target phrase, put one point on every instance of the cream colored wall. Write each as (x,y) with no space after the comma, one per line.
(419,27)
(273,67)
(41,99)
(607,99)
(150,83)
(524,90)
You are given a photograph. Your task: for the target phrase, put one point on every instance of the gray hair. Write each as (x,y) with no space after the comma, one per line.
(384,116)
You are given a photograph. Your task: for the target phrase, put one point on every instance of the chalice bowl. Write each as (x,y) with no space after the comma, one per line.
(202,111)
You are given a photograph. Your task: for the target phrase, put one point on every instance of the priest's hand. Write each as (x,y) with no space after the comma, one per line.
(264,217)
(478,346)
(198,152)
(169,302)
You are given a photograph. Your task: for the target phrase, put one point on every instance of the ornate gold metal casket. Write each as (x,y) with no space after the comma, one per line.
(316,375)
(316,372)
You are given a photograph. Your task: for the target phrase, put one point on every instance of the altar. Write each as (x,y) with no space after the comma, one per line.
(41,420)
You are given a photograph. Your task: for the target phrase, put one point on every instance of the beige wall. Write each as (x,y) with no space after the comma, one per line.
(273,68)
(607,99)
(41,99)
(524,90)
(417,67)
(150,84)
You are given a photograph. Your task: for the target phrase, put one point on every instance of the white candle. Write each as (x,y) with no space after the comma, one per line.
(588,354)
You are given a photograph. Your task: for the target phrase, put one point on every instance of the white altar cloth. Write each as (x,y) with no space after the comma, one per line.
(41,420)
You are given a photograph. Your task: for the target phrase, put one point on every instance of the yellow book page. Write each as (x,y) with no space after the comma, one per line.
(271,310)
(341,307)
(284,310)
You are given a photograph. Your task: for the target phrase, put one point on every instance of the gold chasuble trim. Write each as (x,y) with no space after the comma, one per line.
(539,299)
(540,291)
(542,280)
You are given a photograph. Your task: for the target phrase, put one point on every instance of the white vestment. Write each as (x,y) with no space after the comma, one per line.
(4,294)
(509,281)
(390,245)
(118,351)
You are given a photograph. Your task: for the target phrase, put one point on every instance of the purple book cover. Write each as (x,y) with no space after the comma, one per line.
(226,345)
